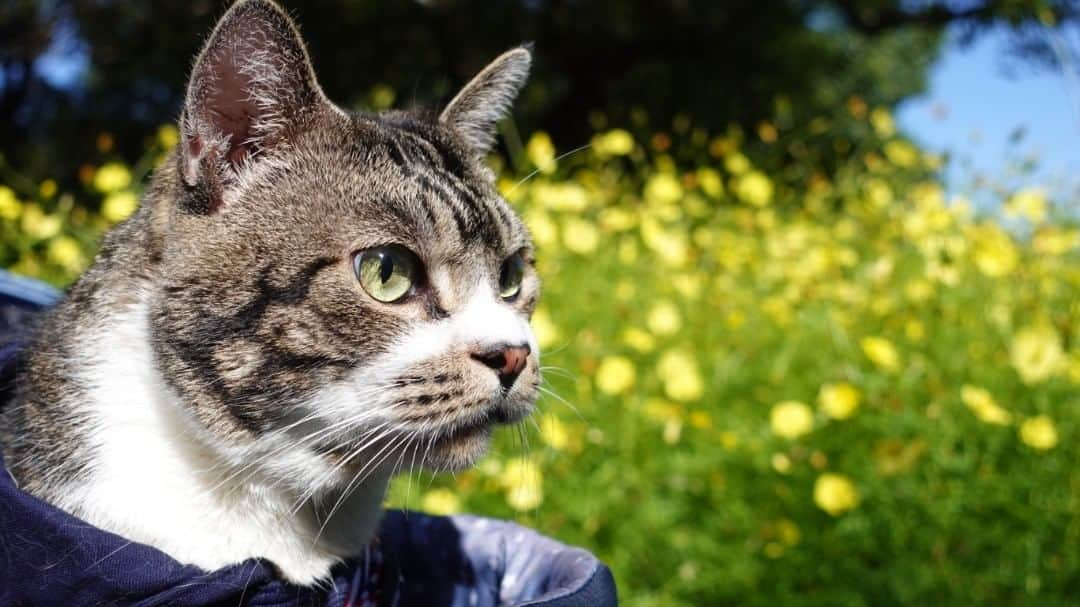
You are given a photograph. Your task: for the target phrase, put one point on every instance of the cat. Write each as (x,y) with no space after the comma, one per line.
(307,300)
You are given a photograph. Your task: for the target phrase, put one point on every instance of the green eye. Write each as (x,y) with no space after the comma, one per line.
(387,273)
(513,269)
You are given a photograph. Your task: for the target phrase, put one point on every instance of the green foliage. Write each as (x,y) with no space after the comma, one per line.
(599,63)
(51,233)
(765,385)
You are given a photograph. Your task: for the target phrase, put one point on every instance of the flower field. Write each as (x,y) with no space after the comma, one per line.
(762,387)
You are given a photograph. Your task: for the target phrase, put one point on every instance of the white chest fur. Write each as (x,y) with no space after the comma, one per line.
(158,478)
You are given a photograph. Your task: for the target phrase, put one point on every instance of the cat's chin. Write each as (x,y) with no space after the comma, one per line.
(459,450)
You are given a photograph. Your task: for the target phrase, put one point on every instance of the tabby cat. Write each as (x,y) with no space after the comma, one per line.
(307,300)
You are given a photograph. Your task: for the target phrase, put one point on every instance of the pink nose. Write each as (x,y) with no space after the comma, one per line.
(507,361)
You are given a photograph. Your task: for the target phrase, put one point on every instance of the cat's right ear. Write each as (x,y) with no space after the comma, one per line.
(250,85)
(486,99)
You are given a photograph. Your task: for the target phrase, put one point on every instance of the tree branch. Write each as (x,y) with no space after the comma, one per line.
(872,20)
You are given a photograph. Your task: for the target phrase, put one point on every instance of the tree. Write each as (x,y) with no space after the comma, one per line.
(598,61)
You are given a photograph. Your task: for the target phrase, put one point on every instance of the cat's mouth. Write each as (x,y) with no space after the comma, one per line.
(483,424)
(457,445)
(436,440)
(500,416)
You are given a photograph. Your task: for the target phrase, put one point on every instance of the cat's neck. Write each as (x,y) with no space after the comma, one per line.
(153,475)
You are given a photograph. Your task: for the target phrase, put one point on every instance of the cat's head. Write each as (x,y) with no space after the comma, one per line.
(341,288)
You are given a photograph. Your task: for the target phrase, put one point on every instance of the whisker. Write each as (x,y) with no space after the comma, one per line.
(569,405)
(537,171)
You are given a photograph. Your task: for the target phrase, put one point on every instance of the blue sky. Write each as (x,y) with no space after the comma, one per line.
(978,98)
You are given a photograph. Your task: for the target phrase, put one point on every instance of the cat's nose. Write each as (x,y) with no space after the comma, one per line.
(507,361)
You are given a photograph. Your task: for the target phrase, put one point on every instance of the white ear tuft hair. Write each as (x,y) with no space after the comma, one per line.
(487,98)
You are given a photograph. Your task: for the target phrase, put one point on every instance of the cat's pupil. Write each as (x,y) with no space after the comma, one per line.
(510,277)
(386,267)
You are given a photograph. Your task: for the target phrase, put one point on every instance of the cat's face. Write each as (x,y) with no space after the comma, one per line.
(340,292)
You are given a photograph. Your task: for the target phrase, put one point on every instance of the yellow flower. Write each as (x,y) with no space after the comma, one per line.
(112,177)
(729,440)
(566,196)
(839,400)
(541,152)
(669,245)
(37,224)
(542,227)
(983,405)
(64,251)
(700,420)
(878,193)
(1073,367)
(919,290)
(682,381)
(791,419)
(617,220)
(524,484)
(615,375)
(547,332)
(882,121)
(1036,353)
(688,285)
(625,290)
(639,340)
(661,410)
(754,188)
(616,142)
(1039,433)
(167,136)
(736,163)
(580,236)
(993,249)
(1028,203)
(440,502)
(554,432)
(835,494)
(788,532)
(628,252)
(781,463)
(119,205)
(664,319)
(778,309)
(1054,241)
(47,189)
(901,153)
(709,181)
(382,96)
(881,352)
(672,431)
(10,207)
(914,329)
(663,189)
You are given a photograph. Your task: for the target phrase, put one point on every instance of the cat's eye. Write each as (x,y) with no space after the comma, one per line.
(387,273)
(510,275)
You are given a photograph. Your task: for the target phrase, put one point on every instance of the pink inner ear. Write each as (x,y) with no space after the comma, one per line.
(249,85)
(230,106)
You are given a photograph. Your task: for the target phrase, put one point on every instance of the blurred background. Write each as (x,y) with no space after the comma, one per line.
(811,317)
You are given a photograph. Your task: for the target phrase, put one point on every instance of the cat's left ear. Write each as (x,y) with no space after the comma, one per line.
(487,99)
(251,84)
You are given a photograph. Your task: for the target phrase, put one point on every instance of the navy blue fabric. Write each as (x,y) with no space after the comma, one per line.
(468,560)
(48,557)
